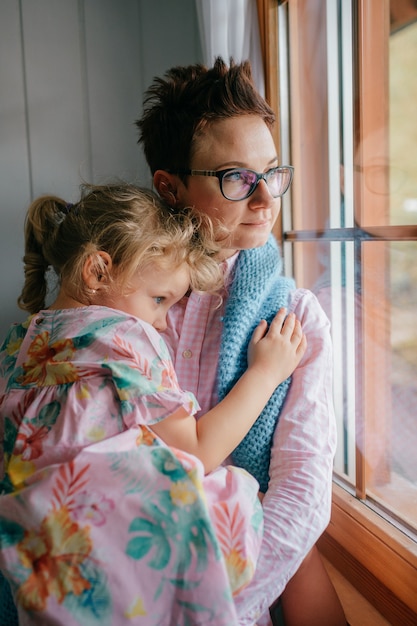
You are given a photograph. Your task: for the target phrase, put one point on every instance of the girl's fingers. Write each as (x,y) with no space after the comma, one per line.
(291,329)
(278,323)
(286,325)
(259,331)
(289,325)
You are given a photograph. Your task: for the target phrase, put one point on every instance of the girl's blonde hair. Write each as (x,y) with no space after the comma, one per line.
(130,223)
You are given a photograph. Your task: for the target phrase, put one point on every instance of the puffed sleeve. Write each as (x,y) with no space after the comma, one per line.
(144,377)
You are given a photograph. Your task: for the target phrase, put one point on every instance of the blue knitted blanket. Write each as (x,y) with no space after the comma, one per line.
(257,291)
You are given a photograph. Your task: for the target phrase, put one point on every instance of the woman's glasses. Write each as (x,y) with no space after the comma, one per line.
(239,183)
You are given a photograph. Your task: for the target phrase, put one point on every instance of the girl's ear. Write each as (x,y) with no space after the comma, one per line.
(96,270)
(166,185)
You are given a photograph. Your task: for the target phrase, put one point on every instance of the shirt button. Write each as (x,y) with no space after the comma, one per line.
(187,354)
(39,320)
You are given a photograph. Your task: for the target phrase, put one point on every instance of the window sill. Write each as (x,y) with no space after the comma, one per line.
(375,557)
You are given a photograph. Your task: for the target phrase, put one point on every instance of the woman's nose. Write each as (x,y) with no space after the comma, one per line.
(261,197)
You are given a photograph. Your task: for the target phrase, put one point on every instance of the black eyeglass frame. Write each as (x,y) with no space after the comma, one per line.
(259,176)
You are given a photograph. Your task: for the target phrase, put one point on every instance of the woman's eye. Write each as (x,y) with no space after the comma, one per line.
(234,177)
(272,174)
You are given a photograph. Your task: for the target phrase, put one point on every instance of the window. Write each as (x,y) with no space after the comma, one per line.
(348,88)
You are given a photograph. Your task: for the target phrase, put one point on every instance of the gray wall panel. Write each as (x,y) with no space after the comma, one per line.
(15,185)
(72,74)
(57,124)
(169,35)
(114,86)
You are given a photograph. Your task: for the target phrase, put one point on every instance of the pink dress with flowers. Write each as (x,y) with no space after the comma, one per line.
(100,521)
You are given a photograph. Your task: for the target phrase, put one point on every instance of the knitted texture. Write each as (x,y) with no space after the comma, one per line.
(258,291)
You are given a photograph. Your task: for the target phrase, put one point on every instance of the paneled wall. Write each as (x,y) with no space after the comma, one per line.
(72,74)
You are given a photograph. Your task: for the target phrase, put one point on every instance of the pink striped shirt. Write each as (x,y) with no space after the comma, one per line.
(297,503)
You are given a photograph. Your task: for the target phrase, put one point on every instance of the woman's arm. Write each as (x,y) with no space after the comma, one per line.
(273,354)
(297,503)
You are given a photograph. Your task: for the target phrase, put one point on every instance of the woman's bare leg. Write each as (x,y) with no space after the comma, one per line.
(309,598)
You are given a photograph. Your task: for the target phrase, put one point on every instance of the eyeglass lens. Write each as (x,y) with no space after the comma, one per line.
(238,184)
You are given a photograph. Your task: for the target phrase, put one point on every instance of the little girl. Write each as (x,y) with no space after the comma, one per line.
(114,505)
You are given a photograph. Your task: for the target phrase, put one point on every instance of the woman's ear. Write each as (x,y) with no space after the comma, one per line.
(97,269)
(166,185)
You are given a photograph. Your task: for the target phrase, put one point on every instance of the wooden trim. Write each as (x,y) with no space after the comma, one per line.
(309,128)
(378,559)
(371,122)
(376,233)
(268,29)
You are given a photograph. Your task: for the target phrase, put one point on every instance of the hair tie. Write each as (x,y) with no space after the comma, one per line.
(67,208)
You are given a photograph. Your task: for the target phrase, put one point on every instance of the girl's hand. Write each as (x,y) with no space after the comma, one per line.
(276,351)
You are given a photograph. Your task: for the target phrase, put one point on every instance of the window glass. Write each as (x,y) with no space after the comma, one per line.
(351,235)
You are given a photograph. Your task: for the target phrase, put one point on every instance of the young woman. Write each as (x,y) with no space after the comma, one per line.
(206,134)
(89,405)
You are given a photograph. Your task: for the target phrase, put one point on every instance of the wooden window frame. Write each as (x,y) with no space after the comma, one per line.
(375,556)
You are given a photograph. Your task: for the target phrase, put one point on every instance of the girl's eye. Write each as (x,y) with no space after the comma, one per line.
(159,299)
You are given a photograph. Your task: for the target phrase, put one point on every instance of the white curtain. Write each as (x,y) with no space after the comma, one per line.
(229,28)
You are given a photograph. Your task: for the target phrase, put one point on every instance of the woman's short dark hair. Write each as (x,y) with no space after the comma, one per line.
(186,100)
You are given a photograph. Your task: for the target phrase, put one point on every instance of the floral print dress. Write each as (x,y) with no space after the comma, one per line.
(100,521)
